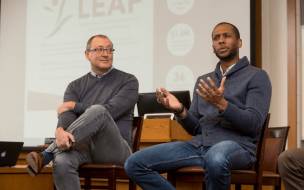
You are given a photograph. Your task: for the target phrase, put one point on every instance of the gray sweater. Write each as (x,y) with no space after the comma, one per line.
(248,92)
(117,91)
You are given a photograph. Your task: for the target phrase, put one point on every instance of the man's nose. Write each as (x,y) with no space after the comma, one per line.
(222,39)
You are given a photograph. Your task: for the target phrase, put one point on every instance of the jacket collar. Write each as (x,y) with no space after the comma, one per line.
(239,65)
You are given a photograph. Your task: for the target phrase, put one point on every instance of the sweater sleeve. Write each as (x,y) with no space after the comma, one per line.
(122,102)
(189,123)
(250,119)
(67,118)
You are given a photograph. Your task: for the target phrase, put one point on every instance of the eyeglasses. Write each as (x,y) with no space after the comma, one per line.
(100,50)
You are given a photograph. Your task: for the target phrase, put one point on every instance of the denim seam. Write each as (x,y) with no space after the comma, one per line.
(237,152)
(187,158)
(250,159)
(90,123)
(164,180)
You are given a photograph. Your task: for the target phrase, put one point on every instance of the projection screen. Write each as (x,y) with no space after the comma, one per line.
(164,43)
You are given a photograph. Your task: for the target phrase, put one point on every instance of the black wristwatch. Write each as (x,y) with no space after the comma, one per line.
(180,111)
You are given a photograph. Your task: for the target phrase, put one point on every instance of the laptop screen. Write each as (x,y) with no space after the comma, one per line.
(9,152)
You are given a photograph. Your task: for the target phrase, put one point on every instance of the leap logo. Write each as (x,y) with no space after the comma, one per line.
(99,8)
(58,13)
(106,8)
(3,154)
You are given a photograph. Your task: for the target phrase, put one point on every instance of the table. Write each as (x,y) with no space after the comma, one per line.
(16,178)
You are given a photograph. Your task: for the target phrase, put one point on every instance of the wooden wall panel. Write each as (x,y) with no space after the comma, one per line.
(292,73)
(258,33)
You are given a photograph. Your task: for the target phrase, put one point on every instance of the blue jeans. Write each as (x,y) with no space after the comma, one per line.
(145,166)
(97,140)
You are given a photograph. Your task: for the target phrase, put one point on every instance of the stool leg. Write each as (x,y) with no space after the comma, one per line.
(204,185)
(171,178)
(112,183)
(87,183)
(238,187)
(132,185)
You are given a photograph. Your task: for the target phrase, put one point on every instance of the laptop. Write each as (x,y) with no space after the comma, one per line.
(9,152)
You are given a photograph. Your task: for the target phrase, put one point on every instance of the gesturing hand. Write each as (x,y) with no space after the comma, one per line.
(214,96)
(170,102)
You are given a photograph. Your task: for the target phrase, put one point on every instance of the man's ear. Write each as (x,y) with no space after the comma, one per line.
(86,53)
(240,43)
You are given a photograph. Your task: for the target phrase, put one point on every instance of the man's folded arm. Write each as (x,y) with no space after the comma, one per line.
(66,119)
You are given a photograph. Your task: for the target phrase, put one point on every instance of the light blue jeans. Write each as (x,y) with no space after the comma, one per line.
(145,166)
(97,140)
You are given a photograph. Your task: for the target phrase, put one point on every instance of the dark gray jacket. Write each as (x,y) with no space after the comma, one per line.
(248,92)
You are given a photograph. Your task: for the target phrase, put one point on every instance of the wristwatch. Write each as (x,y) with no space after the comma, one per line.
(180,111)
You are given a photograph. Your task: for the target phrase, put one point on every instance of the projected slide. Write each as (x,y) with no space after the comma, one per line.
(57,32)
(164,43)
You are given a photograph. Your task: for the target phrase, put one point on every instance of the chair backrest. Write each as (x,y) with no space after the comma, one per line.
(275,145)
(279,132)
(137,128)
(261,150)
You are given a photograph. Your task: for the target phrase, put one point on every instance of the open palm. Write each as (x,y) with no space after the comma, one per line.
(168,100)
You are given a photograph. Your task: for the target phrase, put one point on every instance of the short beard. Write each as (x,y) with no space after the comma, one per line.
(229,56)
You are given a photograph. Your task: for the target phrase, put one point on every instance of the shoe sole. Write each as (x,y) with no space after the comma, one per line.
(30,171)
(32,161)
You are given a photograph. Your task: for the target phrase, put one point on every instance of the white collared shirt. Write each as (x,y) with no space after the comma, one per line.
(97,76)
(228,69)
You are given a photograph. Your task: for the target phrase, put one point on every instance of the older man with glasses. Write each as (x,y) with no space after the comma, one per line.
(95,119)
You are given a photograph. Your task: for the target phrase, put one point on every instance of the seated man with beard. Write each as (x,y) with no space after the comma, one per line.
(226,116)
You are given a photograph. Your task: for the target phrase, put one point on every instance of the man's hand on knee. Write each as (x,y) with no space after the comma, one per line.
(62,139)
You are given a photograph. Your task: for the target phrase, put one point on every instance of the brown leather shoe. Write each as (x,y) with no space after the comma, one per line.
(30,171)
(36,163)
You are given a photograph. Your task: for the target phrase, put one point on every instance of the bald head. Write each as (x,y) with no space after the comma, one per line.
(96,36)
